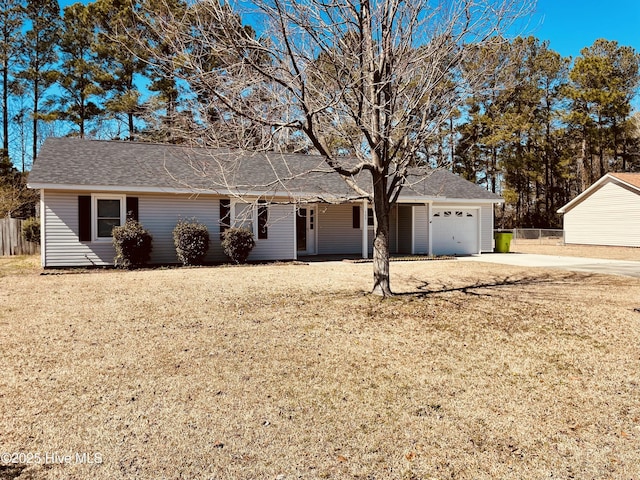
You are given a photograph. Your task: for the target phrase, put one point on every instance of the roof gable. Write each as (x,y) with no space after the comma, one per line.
(626,180)
(72,163)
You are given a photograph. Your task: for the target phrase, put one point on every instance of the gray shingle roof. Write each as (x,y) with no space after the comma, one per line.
(130,166)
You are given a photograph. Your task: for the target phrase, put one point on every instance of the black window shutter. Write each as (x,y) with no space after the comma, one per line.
(356,216)
(84,218)
(132,208)
(225,215)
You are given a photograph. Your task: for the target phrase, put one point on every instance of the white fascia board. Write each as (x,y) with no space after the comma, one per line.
(312,197)
(114,188)
(630,185)
(288,197)
(438,201)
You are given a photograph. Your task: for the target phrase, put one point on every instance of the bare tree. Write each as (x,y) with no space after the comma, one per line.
(366,83)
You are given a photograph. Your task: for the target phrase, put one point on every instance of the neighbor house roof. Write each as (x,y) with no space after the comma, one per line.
(628,180)
(77,164)
(632,179)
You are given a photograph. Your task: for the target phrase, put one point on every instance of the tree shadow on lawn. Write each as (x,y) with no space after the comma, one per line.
(487,288)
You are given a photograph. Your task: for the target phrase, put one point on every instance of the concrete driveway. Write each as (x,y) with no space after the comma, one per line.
(576,264)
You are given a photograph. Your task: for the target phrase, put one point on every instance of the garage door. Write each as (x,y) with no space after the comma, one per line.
(455,231)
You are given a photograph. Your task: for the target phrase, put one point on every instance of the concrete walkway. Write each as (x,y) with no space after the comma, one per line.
(576,264)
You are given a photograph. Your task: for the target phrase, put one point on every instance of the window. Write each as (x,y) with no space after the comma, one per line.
(253,217)
(98,214)
(312,219)
(263,218)
(108,211)
(355,213)
(356,217)
(243,216)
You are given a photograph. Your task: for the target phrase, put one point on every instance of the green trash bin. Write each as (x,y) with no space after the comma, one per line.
(503,241)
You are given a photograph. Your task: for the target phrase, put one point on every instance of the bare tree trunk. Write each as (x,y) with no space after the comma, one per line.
(381,280)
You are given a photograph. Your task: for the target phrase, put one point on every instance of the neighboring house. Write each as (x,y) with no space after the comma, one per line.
(293,203)
(606,213)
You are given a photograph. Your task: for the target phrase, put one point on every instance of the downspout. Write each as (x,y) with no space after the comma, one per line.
(43,229)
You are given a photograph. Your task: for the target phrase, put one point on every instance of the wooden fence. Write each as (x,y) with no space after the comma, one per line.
(11,240)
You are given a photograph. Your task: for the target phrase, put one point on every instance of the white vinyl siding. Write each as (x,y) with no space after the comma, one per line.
(609,216)
(336,234)
(63,247)
(280,242)
(405,218)
(393,227)
(486,228)
(421,229)
(159,215)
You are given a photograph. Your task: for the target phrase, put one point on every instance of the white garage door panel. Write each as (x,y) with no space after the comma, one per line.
(455,231)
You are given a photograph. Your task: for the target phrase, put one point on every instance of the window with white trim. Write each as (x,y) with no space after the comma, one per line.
(252,216)
(108,211)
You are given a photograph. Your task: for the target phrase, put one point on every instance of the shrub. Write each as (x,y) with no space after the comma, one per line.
(237,244)
(192,242)
(132,243)
(31,230)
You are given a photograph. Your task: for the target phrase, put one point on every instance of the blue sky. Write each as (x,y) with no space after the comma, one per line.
(571,25)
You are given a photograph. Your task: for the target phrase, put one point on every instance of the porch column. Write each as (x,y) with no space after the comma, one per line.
(365,229)
(429,232)
(295,231)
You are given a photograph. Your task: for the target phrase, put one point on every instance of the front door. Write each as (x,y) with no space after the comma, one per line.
(305,230)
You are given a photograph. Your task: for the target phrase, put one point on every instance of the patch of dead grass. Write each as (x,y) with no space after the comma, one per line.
(19,265)
(291,371)
(570,250)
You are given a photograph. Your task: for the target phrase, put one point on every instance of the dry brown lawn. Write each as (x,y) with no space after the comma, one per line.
(589,251)
(291,371)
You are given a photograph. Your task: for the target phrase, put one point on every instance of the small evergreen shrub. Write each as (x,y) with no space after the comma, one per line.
(237,244)
(31,230)
(132,243)
(191,239)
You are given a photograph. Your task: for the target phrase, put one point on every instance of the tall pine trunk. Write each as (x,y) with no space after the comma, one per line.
(5,111)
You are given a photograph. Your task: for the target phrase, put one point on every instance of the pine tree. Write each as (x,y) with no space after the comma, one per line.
(39,57)
(79,68)
(121,58)
(603,81)
(11,23)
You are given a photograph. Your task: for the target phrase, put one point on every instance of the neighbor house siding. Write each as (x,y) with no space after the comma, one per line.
(609,216)
(486,228)
(63,247)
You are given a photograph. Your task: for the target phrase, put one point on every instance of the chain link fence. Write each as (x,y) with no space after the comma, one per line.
(538,236)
